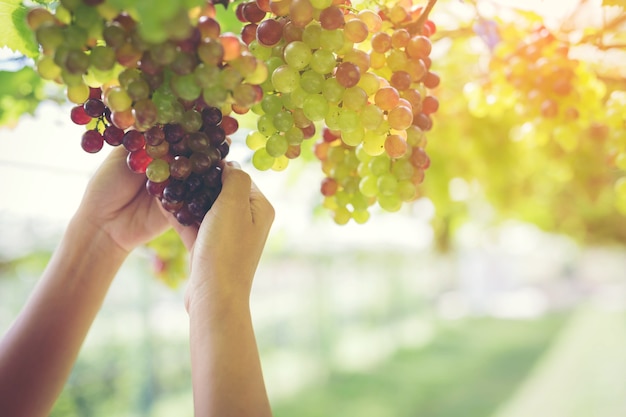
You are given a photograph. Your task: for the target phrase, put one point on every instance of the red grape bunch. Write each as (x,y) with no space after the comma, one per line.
(167,97)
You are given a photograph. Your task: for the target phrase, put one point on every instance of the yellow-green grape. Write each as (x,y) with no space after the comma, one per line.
(354,98)
(387,184)
(262,160)
(158,170)
(406,190)
(353,137)
(117,99)
(285,79)
(332,90)
(390,203)
(280,163)
(276,145)
(369,186)
(78,93)
(342,215)
(47,68)
(361,216)
(255,140)
(315,107)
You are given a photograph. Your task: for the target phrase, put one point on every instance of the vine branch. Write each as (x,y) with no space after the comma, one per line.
(424,16)
(418,25)
(610,26)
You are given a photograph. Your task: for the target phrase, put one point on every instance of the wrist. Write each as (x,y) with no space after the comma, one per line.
(92,240)
(205,300)
(85,228)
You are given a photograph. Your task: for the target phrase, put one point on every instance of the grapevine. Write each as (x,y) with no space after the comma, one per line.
(533,74)
(170,87)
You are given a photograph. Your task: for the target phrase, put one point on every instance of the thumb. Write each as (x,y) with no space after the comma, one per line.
(236,186)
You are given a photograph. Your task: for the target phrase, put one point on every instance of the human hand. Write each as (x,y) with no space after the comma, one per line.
(117,203)
(226,248)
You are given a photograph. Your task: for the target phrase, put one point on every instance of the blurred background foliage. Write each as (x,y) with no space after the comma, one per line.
(499,293)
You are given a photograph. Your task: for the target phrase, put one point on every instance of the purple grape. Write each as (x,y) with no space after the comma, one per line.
(216,134)
(213,177)
(200,204)
(224,148)
(185,217)
(211,116)
(194,183)
(173,133)
(94,107)
(156,188)
(175,191)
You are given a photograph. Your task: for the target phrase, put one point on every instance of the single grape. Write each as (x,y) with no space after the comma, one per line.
(92,141)
(348,74)
(156,188)
(138,161)
(114,136)
(158,151)
(297,55)
(331,18)
(79,116)
(133,140)
(286,78)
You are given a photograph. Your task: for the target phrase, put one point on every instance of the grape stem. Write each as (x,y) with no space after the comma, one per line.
(418,25)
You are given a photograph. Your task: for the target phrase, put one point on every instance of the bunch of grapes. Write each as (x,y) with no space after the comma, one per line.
(554,94)
(169,86)
(167,97)
(364,76)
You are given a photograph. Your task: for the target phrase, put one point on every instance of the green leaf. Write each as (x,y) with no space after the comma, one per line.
(621,3)
(20,92)
(228,19)
(14,33)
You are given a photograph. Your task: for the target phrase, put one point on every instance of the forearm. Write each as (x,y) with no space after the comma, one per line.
(226,368)
(39,350)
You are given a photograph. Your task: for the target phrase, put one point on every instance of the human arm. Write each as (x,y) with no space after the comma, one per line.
(38,351)
(226,369)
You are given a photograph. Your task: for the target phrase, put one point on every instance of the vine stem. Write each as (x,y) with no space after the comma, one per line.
(419,23)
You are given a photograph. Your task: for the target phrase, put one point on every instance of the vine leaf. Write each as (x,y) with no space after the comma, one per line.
(14,33)
(621,3)
(20,92)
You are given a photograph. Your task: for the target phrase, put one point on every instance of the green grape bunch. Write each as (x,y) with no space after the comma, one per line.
(365,76)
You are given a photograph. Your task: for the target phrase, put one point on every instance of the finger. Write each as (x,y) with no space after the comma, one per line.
(236,185)
(262,209)
(187,234)
(116,169)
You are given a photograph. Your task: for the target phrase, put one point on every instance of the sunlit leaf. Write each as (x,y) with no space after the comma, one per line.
(14,33)
(20,92)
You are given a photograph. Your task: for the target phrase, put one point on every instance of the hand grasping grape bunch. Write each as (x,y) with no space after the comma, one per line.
(158,88)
